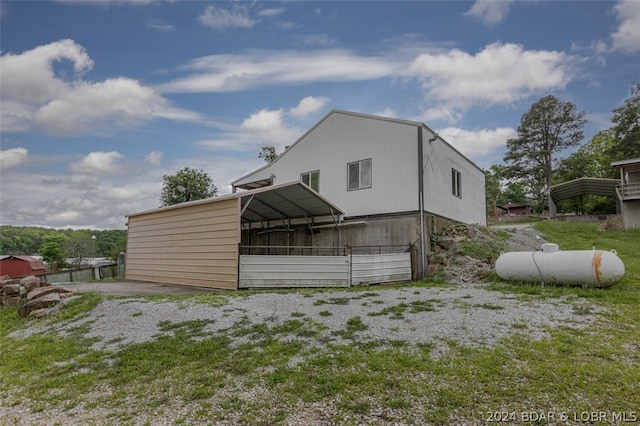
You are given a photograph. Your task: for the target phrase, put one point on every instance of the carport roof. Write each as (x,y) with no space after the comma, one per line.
(292,200)
(585,185)
(287,201)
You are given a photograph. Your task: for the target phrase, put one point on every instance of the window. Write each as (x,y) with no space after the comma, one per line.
(311,179)
(456,183)
(359,174)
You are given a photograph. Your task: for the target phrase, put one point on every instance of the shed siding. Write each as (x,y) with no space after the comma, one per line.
(193,245)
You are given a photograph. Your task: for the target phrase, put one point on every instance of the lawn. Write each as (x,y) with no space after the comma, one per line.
(576,376)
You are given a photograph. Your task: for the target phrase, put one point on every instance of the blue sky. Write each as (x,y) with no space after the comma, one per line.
(100,99)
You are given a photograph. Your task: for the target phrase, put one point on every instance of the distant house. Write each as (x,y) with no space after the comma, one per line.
(628,191)
(20,266)
(514,209)
(353,183)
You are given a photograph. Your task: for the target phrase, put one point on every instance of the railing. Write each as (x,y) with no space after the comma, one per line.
(323,251)
(629,191)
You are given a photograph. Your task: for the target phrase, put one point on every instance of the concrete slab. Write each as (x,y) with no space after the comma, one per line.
(132,288)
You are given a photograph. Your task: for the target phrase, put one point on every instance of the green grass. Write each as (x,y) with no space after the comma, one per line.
(259,373)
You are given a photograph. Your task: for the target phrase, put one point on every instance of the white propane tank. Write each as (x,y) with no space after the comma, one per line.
(586,268)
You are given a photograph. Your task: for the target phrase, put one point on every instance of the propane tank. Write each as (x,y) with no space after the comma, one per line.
(586,268)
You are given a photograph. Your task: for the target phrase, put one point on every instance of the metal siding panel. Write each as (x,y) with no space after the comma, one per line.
(380,268)
(294,271)
(159,243)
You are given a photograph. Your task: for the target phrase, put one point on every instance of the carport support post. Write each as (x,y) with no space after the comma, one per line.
(553,209)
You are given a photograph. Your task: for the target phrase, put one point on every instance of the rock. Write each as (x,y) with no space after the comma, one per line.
(6,300)
(40,303)
(471,232)
(4,278)
(39,313)
(446,242)
(433,269)
(42,291)
(11,289)
(30,282)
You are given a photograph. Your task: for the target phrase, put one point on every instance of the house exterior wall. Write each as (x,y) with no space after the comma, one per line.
(393,147)
(439,158)
(341,139)
(195,244)
(631,214)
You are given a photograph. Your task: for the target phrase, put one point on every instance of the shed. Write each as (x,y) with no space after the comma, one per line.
(198,243)
(21,266)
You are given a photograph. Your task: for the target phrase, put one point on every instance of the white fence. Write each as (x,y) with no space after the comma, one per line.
(380,268)
(273,271)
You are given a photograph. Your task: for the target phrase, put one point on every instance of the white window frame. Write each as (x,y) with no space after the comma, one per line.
(456,183)
(365,175)
(310,179)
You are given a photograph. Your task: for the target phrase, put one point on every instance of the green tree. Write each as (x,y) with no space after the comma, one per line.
(268,153)
(627,128)
(549,127)
(52,248)
(187,185)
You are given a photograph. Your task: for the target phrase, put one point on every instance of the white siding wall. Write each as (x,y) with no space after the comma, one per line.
(342,139)
(439,159)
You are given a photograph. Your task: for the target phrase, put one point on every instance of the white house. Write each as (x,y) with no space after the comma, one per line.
(353,201)
(394,177)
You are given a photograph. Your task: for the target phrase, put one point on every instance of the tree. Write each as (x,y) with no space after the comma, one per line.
(549,127)
(268,153)
(591,160)
(627,128)
(187,185)
(51,249)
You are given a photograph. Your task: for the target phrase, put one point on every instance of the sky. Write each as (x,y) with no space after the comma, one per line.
(101,99)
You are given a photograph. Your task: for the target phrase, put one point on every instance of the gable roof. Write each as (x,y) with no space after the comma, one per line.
(348,113)
(32,261)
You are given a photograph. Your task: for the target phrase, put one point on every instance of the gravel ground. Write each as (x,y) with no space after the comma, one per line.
(468,314)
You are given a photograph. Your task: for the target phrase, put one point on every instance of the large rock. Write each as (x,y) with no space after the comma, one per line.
(12,289)
(42,291)
(45,301)
(30,282)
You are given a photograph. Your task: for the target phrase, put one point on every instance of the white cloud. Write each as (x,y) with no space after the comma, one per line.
(489,12)
(10,158)
(221,18)
(473,143)
(308,106)
(269,127)
(271,12)
(627,37)
(453,80)
(33,95)
(258,68)
(98,163)
(500,74)
(154,157)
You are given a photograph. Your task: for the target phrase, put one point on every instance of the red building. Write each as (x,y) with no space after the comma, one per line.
(20,266)
(514,209)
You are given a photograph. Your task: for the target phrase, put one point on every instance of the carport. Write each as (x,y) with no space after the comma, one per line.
(198,243)
(579,187)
